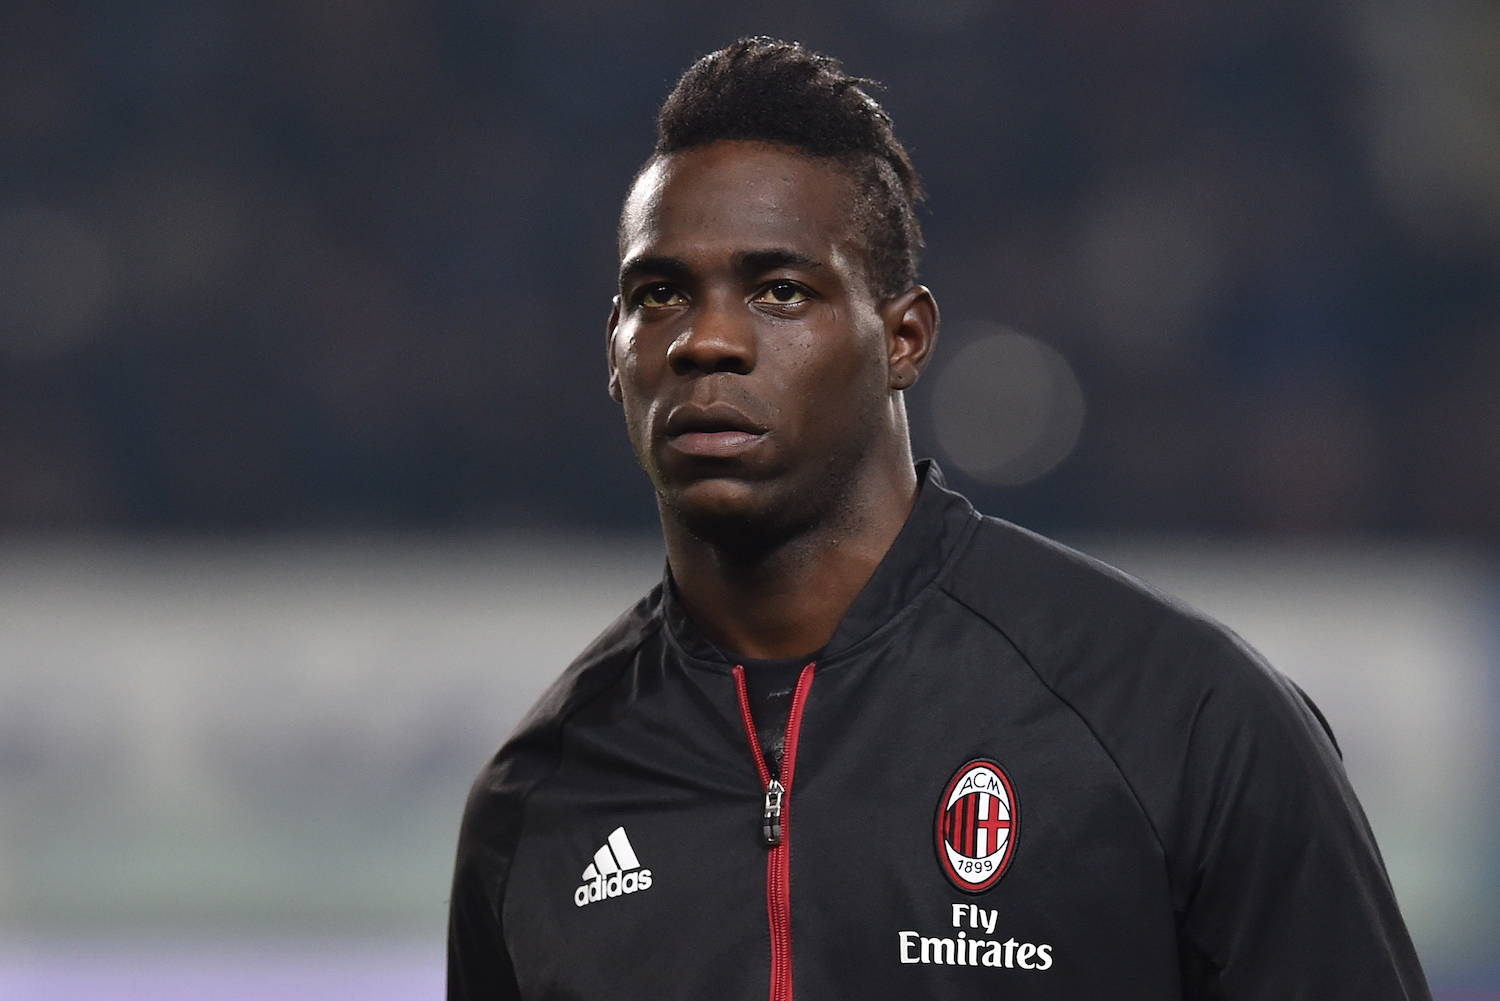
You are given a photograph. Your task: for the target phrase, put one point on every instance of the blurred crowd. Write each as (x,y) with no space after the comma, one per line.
(345,264)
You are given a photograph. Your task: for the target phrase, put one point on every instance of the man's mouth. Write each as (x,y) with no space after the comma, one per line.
(714,444)
(715,431)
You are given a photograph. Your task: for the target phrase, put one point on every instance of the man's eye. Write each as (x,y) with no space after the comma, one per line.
(660,295)
(784,293)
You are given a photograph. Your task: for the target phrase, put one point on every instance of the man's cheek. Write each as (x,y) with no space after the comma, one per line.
(637,423)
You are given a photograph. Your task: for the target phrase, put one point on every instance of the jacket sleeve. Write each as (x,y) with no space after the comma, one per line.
(1280,888)
(479,962)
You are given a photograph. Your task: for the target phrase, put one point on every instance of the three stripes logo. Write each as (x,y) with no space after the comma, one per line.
(614,871)
(977,821)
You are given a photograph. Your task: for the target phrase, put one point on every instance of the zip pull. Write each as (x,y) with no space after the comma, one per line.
(771,826)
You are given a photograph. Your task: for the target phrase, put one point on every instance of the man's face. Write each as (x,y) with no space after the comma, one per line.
(746,346)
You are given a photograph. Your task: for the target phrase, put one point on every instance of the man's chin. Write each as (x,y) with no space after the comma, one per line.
(728,513)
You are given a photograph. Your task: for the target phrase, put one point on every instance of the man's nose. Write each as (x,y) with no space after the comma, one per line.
(719,338)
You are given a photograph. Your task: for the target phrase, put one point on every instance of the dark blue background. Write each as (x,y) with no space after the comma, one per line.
(346,263)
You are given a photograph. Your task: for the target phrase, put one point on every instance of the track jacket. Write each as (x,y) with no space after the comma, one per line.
(1014,772)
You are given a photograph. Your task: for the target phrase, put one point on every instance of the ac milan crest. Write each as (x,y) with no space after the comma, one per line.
(977,821)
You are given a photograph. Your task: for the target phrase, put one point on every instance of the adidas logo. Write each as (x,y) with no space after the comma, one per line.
(615,870)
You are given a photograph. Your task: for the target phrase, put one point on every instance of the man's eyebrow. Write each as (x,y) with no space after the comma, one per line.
(747,263)
(667,267)
(753,262)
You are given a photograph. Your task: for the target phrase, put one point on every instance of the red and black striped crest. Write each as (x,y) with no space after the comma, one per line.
(977,823)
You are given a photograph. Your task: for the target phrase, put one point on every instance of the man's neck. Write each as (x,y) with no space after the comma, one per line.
(788,599)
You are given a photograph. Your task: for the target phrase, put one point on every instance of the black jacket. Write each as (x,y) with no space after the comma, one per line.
(1014,772)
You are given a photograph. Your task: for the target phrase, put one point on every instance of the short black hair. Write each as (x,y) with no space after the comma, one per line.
(763,90)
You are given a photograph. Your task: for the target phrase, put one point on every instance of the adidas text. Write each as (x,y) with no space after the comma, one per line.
(614,871)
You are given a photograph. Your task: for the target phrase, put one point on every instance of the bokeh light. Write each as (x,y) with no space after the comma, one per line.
(1007,408)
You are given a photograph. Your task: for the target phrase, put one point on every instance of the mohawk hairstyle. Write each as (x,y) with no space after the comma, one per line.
(763,90)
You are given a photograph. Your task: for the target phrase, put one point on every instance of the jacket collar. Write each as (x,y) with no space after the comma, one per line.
(939,522)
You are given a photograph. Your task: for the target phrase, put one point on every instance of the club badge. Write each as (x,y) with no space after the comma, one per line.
(977,823)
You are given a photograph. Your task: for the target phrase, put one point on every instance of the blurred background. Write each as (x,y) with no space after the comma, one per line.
(309,483)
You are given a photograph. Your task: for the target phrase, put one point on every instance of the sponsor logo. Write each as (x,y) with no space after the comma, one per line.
(977,822)
(614,871)
(961,950)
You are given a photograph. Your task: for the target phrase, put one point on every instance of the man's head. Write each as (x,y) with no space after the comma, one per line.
(769,316)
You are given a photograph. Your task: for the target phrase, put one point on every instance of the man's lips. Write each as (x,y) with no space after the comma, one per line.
(712,431)
(714,444)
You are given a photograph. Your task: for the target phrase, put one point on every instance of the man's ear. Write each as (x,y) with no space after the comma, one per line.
(911,331)
(609,351)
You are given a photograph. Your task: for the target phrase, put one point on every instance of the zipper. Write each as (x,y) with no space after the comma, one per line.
(770,827)
(776,829)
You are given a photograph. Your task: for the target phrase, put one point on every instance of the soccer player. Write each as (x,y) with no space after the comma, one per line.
(863,742)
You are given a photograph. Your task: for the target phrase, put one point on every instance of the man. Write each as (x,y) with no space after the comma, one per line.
(862,742)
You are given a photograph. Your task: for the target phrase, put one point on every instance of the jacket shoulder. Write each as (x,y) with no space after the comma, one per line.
(590,674)
(1080,622)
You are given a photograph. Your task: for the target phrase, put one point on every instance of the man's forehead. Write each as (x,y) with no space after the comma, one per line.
(732,196)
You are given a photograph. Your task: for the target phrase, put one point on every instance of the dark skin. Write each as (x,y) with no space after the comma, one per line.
(761,378)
